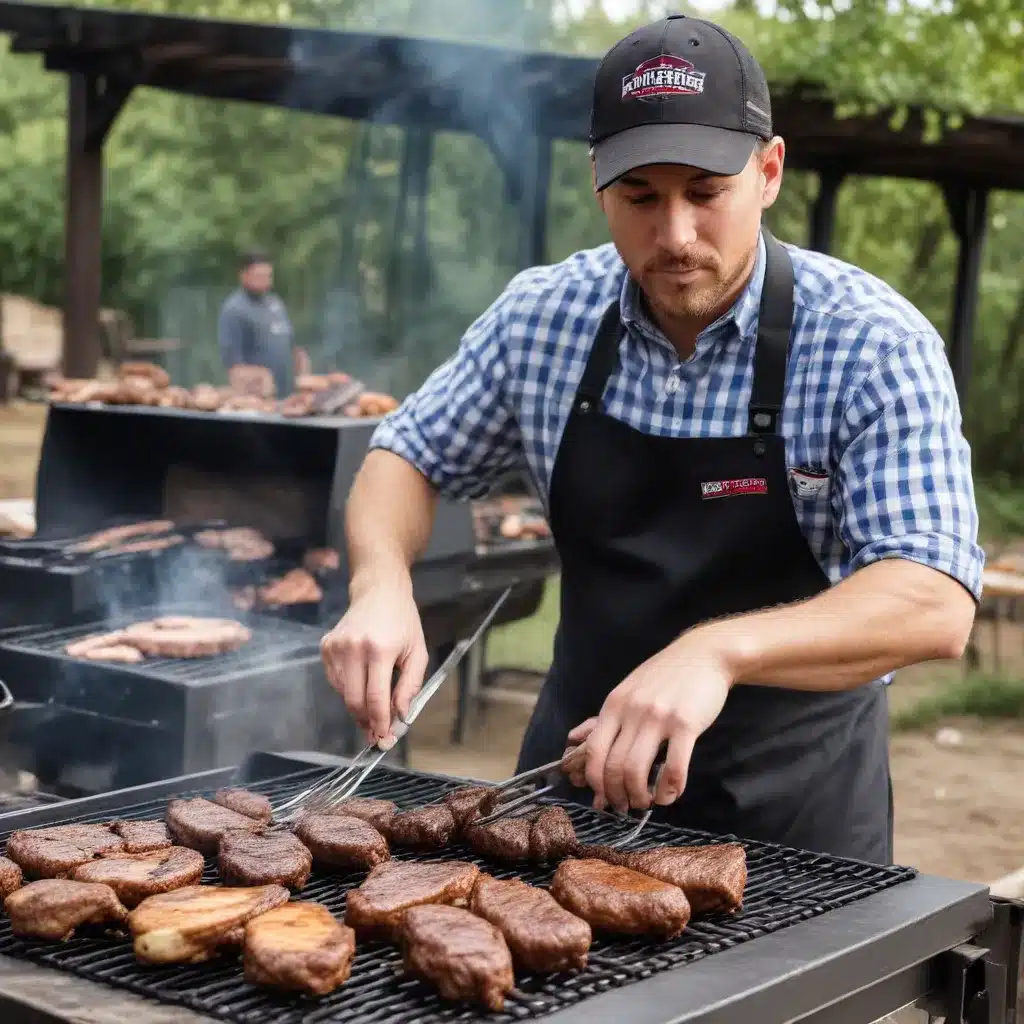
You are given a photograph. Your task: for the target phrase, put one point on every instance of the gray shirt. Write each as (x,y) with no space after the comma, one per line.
(255,330)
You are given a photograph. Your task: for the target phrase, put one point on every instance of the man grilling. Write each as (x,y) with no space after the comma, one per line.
(752,461)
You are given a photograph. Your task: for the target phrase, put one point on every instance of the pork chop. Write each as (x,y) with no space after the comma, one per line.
(54,907)
(465,956)
(252,805)
(375,909)
(142,836)
(379,813)
(344,844)
(10,877)
(619,900)
(193,924)
(134,876)
(299,946)
(424,828)
(199,823)
(54,852)
(542,935)
(277,858)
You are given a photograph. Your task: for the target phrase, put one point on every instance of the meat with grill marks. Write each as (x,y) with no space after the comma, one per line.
(469,802)
(423,828)
(54,907)
(194,924)
(340,843)
(465,956)
(300,947)
(142,836)
(552,835)
(10,877)
(713,876)
(375,909)
(542,935)
(379,813)
(274,858)
(506,840)
(618,900)
(199,823)
(56,851)
(135,876)
(252,805)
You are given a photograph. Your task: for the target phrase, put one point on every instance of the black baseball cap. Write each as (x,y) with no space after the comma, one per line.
(678,91)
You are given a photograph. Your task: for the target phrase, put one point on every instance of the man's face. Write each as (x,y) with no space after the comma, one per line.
(258,278)
(688,237)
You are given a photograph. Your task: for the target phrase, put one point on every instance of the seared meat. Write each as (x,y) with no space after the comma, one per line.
(321,559)
(464,955)
(299,946)
(56,851)
(123,654)
(347,844)
(156,375)
(379,813)
(467,803)
(277,857)
(200,823)
(134,876)
(242,543)
(542,935)
(619,900)
(713,877)
(193,924)
(252,805)
(182,636)
(10,877)
(507,839)
(142,836)
(119,534)
(552,836)
(375,909)
(425,828)
(172,540)
(296,586)
(55,907)
(104,647)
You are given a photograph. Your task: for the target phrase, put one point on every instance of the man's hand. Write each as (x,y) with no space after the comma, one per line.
(381,631)
(673,696)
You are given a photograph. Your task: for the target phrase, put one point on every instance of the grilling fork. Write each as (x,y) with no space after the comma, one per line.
(342,783)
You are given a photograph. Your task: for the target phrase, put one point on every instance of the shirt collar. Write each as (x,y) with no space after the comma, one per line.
(740,317)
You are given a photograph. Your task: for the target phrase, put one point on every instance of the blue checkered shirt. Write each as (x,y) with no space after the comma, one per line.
(879,467)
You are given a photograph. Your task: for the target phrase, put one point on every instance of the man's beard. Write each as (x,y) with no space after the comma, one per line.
(691,300)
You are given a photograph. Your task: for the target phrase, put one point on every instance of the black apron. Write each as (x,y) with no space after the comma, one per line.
(657,534)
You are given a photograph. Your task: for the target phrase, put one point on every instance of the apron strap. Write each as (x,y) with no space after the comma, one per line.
(601,361)
(774,326)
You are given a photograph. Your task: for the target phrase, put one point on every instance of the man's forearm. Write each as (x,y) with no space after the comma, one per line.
(389,517)
(885,616)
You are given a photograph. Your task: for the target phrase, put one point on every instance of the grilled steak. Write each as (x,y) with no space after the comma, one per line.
(465,956)
(713,877)
(242,543)
(424,828)
(375,909)
(379,813)
(193,924)
(619,900)
(142,836)
(299,946)
(552,836)
(467,803)
(56,851)
(346,844)
(10,877)
(134,876)
(185,637)
(507,839)
(54,907)
(252,805)
(296,586)
(542,935)
(275,858)
(199,824)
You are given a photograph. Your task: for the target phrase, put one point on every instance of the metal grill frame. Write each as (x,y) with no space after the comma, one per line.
(826,968)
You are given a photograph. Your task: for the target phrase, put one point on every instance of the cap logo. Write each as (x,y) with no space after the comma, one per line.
(664,75)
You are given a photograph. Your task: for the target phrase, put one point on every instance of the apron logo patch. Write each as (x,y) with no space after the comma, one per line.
(808,482)
(731,488)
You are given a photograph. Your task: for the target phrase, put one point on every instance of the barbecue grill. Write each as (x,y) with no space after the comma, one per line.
(819,939)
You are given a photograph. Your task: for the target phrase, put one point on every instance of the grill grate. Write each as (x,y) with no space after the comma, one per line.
(273,640)
(784,887)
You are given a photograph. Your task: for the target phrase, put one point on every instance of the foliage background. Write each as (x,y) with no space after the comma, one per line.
(190,182)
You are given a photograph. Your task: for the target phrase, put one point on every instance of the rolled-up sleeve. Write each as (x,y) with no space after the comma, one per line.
(904,485)
(458,429)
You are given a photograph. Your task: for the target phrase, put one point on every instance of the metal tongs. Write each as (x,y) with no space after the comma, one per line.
(571,761)
(342,783)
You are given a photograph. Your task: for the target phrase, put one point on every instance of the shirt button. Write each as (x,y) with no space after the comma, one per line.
(672,384)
